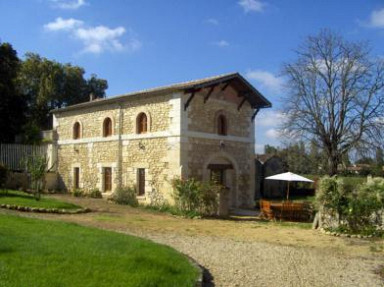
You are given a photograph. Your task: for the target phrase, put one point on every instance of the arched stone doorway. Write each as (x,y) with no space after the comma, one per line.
(222,168)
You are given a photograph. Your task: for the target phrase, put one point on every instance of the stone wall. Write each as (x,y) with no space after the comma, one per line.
(178,142)
(124,151)
(202,116)
(206,147)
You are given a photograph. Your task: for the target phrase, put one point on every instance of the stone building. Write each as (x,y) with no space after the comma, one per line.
(202,129)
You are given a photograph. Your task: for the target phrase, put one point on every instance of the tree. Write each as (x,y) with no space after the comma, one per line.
(37,167)
(11,102)
(96,86)
(48,85)
(335,95)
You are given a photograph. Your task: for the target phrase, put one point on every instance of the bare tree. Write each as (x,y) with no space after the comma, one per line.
(335,95)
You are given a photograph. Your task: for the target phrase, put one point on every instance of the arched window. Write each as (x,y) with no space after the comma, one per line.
(222,125)
(142,123)
(107,127)
(76,131)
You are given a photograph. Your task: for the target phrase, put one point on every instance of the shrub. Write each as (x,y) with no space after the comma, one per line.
(3,175)
(78,192)
(359,210)
(186,194)
(194,198)
(366,205)
(37,167)
(125,195)
(332,196)
(95,193)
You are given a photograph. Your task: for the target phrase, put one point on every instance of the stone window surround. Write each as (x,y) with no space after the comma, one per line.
(147,187)
(73,166)
(73,129)
(149,122)
(113,126)
(100,177)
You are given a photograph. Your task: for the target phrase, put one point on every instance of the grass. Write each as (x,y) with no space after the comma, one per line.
(44,253)
(19,198)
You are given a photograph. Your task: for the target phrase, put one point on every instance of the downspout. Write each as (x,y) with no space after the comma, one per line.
(120,149)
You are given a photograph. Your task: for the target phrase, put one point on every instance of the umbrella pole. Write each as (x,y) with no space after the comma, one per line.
(288,191)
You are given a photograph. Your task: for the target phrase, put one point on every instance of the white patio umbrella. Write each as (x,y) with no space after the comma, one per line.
(288,176)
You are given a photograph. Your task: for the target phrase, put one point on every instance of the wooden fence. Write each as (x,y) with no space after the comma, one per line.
(13,156)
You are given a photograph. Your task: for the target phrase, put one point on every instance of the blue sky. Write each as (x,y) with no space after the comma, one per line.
(148,43)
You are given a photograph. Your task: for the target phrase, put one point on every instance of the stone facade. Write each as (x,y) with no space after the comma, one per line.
(182,140)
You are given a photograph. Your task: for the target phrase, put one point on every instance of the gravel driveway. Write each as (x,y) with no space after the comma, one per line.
(267,256)
(236,263)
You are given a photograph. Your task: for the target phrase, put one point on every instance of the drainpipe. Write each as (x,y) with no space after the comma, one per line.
(120,149)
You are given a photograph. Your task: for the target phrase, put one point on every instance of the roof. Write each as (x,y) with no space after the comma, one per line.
(244,88)
(263,158)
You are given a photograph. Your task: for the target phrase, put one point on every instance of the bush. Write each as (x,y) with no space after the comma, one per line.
(332,196)
(194,198)
(3,175)
(125,195)
(95,193)
(78,192)
(366,205)
(359,210)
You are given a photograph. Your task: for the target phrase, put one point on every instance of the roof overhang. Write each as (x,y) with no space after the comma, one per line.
(243,88)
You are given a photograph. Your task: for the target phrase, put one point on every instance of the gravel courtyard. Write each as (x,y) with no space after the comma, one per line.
(246,253)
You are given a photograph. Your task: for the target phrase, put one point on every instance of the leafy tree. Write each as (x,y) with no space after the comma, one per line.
(12,104)
(96,86)
(335,95)
(37,167)
(268,149)
(48,85)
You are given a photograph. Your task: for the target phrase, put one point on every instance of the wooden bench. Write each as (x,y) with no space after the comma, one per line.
(266,210)
(286,210)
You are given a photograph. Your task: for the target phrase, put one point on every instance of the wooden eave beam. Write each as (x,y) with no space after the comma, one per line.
(242,103)
(209,93)
(226,85)
(255,114)
(189,100)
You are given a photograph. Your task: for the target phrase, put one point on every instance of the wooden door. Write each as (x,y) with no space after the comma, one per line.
(76,173)
(141,180)
(107,179)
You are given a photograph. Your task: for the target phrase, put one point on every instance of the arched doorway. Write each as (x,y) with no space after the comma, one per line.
(222,169)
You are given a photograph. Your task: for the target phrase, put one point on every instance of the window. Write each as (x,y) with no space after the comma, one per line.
(107,179)
(107,127)
(76,131)
(76,177)
(142,123)
(222,125)
(141,181)
(218,176)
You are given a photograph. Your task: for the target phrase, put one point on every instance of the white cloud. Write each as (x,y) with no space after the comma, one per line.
(100,38)
(212,21)
(96,39)
(266,80)
(270,118)
(221,43)
(377,19)
(252,5)
(68,4)
(259,148)
(63,24)
(273,134)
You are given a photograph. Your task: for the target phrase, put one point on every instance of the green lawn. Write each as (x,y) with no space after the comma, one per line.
(19,198)
(44,253)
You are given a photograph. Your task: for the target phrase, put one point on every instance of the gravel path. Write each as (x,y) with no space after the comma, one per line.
(233,261)
(236,263)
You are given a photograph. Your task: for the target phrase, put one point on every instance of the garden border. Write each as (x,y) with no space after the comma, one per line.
(44,210)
